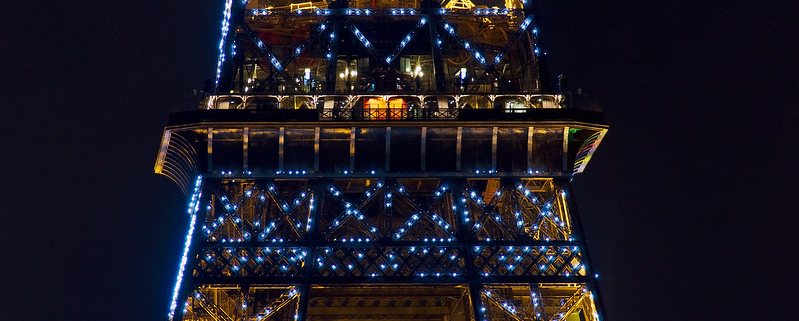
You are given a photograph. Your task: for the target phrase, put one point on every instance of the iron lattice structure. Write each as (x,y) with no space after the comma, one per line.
(382,160)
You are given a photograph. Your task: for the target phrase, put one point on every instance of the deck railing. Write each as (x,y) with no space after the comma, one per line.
(396,106)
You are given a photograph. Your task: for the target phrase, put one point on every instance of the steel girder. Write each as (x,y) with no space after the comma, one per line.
(299,237)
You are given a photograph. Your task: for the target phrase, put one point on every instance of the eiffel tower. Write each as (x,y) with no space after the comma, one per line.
(382,160)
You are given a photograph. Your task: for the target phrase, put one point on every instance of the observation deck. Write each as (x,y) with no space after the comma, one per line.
(389,134)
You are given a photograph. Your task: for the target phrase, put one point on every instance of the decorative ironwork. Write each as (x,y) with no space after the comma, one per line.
(412,261)
(238,261)
(529,261)
(386,160)
(533,209)
(230,303)
(390,231)
(245,212)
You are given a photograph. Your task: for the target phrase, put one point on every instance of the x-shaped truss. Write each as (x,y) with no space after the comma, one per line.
(353,213)
(233,18)
(230,214)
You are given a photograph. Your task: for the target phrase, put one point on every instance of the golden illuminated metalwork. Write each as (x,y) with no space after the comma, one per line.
(388,160)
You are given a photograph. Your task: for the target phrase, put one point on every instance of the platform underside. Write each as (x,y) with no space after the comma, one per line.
(377,149)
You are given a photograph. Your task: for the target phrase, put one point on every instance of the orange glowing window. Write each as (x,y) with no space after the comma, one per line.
(397,103)
(375,103)
(376,108)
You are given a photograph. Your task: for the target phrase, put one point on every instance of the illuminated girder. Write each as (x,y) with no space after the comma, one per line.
(276,248)
(381,160)
(272,48)
(390,203)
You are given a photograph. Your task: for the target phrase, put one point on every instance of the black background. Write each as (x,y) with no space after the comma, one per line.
(689,204)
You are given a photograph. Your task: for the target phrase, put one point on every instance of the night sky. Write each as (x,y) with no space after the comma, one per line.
(689,206)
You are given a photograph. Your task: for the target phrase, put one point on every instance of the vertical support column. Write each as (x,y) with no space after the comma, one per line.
(305,292)
(245,149)
(458,149)
(280,142)
(316,150)
(352,148)
(239,61)
(312,238)
(388,200)
(541,77)
(529,79)
(466,242)
(388,149)
(424,149)
(210,150)
(565,167)
(537,302)
(475,292)
(530,148)
(332,54)
(229,58)
(438,62)
(494,148)
(242,314)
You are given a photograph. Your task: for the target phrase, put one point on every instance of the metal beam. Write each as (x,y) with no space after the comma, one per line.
(370,49)
(311,38)
(226,67)
(187,283)
(332,54)
(522,242)
(328,280)
(395,310)
(388,149)
(458,148)
(406,40)
(265,50)
(423,159)
(438,60)
(512,41)
(464,44)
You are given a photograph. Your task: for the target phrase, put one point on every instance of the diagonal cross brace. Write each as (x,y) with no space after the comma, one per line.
(297,51)
(465,44)
(229,212)
(265,50)
(337,222)
(506,307)
(212,309)
(278,304)
(416,218)
(406,40)
(513,39)
(429,214)
(285,213)
(365,42)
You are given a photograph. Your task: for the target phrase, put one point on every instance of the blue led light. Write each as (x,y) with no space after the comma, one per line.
(225,29)
(193,207)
